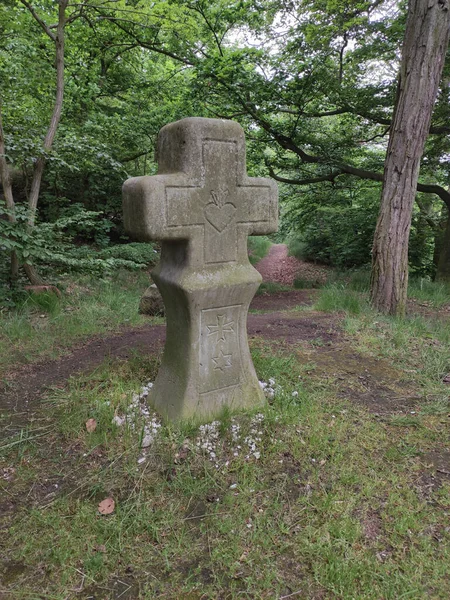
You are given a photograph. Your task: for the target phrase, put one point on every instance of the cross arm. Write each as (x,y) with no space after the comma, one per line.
(260,205)
(145,206)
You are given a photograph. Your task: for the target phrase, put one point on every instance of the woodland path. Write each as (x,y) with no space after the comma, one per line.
(281,268)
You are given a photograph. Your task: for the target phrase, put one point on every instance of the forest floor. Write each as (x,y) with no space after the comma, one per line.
(348,496)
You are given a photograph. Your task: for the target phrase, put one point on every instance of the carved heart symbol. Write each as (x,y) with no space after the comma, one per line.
(219,216)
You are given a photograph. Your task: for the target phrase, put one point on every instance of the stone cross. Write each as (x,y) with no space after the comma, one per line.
(203,206)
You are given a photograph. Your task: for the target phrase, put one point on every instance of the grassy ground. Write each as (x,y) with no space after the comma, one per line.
(43,326)
(319,498)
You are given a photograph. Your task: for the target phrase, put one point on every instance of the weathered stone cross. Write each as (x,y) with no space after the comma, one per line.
(202,205)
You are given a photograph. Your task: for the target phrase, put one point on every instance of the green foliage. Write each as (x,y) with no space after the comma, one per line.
(433,293)
(309,105)
(341,237)
(306,284)
(258,247)
(52,244)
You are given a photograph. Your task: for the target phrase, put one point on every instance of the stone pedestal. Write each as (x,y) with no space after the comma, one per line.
(202,205)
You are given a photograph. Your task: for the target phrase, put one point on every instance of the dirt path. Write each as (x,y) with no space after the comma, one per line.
(20,399)
(278,267)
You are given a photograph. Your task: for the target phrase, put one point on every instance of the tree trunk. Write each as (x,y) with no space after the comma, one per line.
(443,266)
(423,55)
(39,165)
(9,198)
(33,275)
(57,108)
(14,269)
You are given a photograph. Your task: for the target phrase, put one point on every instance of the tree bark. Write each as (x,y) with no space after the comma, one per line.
(57,108)
(423,54)
(443,266)
(39,165)
(9,198)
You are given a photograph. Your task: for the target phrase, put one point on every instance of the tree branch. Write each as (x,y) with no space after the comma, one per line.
(38,19)
(330,177)
(380,120)
(133,156)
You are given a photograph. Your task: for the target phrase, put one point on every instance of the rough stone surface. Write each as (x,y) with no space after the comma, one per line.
(151,302)
(202,205)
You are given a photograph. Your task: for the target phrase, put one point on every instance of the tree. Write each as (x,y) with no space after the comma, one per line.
(57,37)
(423,55)
(323,99)
(106,96)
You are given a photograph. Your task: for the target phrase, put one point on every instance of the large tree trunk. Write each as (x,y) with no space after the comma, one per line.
(424,49)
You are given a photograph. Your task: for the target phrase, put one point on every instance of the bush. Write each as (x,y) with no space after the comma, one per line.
(134,252)
(341,237)
(258,247)
(56,245)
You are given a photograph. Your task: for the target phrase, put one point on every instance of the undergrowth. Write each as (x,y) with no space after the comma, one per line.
(334,500)
(44,325)
(258,247)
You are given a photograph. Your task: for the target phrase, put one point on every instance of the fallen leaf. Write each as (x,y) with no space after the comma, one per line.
(106,506)
(91,425)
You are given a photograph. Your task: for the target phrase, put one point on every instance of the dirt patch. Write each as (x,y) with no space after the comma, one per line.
(20,395)
(292,329)
(437,469)
(283,300)
(278,267)
(426,309)
(371,382)
(372,525)
(125,588)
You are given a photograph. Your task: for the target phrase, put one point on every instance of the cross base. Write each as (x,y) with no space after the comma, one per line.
(206,365)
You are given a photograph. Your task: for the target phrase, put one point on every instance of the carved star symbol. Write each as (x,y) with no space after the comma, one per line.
(222,362)
(222,328)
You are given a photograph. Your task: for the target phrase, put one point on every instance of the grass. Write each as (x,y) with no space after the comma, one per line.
(339,297)
(44,326)
(296,247)
(258,247)
(424,290)
(270,287)
(338,506)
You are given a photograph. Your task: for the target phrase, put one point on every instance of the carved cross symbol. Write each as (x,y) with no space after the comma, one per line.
(221,329)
